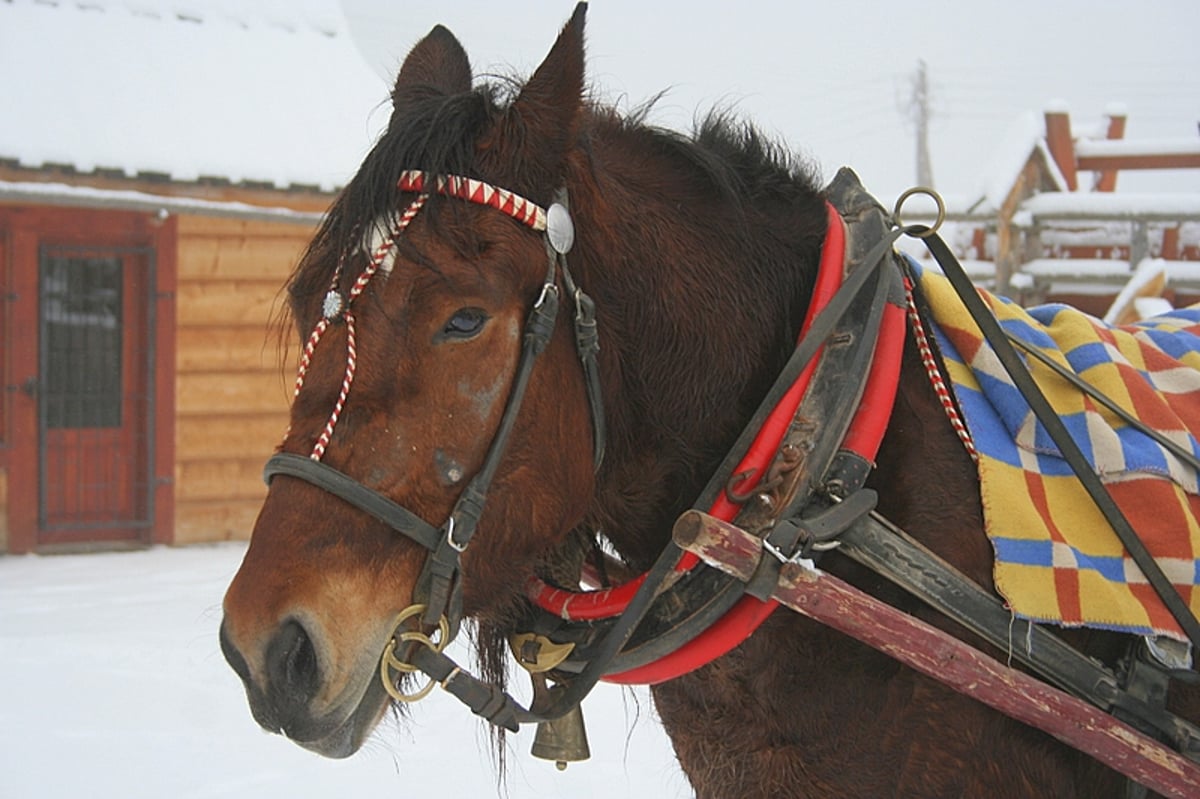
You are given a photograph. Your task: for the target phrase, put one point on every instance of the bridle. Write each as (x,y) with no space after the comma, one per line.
(438,593)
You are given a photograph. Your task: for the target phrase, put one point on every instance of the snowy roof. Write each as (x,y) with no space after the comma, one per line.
(1114,205)
(1025,137)
(66,194)
(1096,148)
(271,92)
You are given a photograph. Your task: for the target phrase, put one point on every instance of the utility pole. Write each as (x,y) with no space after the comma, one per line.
(918,110)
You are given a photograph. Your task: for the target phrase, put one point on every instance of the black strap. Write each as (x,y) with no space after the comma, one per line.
(1178,451)
(502,709)
(1060,435)
(485,700)
(350,490)
(848,329)
(805,351)
(587,344)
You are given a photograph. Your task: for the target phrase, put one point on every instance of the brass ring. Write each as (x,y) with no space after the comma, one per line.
(921,231)
(388,661)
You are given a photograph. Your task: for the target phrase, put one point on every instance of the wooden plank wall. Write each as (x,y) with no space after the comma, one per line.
(233,369)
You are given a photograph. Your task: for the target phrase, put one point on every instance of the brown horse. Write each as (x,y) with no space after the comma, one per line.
(700,254)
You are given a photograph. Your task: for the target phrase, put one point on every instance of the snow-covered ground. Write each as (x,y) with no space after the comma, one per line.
(112,685)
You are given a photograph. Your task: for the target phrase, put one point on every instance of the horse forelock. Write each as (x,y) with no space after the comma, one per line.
(436,134)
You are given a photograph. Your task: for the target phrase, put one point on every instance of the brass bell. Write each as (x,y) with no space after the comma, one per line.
(563,740)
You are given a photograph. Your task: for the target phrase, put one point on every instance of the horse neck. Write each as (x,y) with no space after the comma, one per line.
(698,305)
(927,483)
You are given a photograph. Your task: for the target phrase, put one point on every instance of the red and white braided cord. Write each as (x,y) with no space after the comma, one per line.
(935,374)
(523,210)
(377,258)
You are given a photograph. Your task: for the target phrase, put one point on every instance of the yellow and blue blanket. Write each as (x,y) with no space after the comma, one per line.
(1057,559)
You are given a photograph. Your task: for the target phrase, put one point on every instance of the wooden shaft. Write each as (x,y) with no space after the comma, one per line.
(939,655)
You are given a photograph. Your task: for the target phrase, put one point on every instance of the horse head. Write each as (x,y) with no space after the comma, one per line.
(413,304)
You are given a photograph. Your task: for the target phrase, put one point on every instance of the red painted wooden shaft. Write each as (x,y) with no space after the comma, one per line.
(939,655)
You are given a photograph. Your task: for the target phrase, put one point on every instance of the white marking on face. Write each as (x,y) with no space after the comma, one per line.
(483,398)
(450,470)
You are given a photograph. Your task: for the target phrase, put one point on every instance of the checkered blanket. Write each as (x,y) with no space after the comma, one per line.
(1057,560)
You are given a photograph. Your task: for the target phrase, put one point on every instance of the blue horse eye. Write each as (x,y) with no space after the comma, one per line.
(465,323)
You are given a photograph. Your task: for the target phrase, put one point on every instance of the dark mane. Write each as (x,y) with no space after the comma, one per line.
(440,133)
(436,134)
(747,166)
(737,162)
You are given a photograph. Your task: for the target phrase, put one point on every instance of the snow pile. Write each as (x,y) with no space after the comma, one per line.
(1148,272)
(114,688)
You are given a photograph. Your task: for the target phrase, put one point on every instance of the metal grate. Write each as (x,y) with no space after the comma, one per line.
(82,340)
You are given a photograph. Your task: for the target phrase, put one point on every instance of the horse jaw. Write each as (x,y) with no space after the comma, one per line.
(307,643)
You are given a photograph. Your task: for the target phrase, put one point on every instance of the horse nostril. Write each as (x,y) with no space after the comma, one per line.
(293,674)
(233,656)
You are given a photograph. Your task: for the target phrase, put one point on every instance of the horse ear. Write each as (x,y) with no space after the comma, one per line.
(550,104)
(437,65)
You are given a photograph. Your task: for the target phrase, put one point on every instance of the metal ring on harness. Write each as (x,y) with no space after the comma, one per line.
(937,199)
(390,661)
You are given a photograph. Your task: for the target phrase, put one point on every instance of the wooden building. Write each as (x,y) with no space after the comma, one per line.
(158,182)
(1051,225)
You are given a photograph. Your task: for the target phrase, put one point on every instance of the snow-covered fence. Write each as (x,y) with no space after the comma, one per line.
(1092,242)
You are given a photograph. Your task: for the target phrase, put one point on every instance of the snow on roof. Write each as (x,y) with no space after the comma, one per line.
(272,91)
(127,200)
(1113,205)
(1024,137)
(1105,271)
(1131,147)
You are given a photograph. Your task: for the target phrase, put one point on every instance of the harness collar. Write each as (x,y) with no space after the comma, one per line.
(839,441)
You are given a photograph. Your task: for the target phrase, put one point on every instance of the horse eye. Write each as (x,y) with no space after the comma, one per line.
(466,323)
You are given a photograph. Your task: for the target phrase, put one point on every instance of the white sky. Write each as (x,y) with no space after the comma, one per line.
(831,79)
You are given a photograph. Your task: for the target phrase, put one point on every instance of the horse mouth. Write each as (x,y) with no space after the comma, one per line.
(338,730)
(347,737)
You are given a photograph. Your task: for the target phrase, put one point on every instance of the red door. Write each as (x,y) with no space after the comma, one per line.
(85,381)
(95,358)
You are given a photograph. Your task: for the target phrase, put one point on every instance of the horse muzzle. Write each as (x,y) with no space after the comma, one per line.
(285,693)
